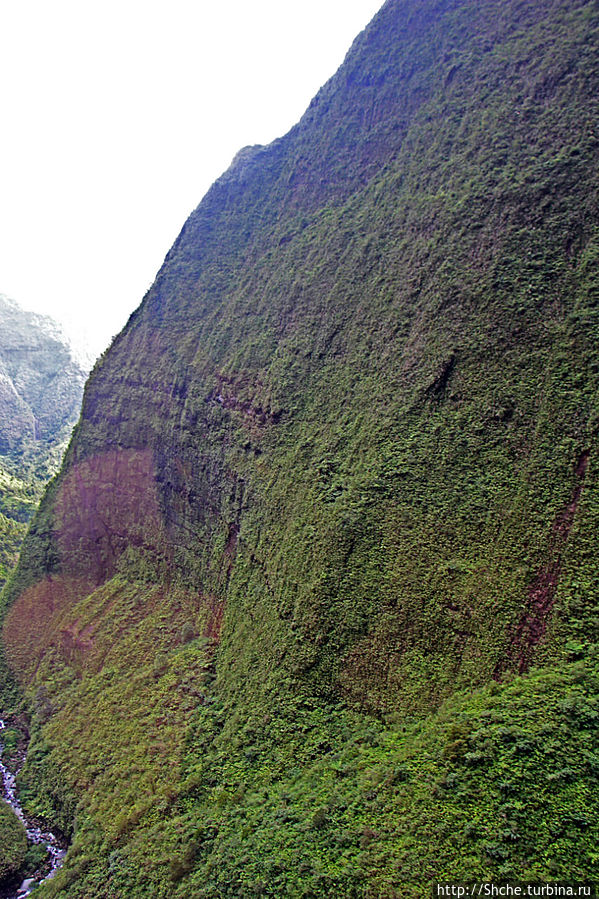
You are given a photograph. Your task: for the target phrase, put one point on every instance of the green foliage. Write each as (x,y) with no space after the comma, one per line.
(317,593)
(24,474)
(316,800)
(13,842)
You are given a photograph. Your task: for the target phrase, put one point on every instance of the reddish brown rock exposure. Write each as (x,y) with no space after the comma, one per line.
(541,593)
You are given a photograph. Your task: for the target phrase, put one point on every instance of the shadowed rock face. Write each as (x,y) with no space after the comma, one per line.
(313,600)
(41,382)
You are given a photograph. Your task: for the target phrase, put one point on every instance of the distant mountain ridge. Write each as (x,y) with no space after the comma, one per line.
(41,385)
(41,381)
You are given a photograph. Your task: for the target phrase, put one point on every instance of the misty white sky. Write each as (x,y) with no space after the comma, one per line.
(116,117)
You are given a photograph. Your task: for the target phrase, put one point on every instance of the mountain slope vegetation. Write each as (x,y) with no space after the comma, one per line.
(311,608)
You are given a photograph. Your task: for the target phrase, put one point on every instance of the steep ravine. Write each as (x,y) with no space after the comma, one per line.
(54,845)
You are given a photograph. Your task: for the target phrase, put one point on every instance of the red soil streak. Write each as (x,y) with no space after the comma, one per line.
(34,624)
(541,593)
(105,504)
(231,547)
(48,620)
(215,619)
(563,524)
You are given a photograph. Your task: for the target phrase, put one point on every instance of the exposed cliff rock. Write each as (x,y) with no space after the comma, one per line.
(312,605)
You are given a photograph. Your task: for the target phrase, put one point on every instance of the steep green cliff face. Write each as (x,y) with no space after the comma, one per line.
(311,609)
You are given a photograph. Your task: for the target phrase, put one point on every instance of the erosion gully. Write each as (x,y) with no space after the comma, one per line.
(35,834)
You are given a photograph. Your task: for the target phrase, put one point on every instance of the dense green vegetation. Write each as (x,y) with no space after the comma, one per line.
(13,842)
(311,609)
(18,500)
(315,800)
(24,474)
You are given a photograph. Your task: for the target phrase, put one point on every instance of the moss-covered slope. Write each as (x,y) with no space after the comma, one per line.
(311,609)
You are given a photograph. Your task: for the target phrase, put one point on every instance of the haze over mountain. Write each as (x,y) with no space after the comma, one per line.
(311,608)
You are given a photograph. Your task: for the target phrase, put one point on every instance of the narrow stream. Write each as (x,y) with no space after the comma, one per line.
(34,833)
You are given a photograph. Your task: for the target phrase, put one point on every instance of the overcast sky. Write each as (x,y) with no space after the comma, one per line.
(117,115)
